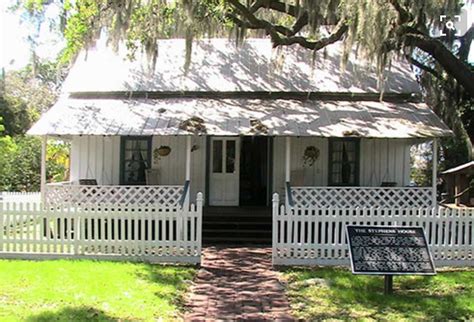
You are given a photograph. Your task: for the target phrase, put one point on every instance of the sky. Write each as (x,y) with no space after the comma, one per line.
(14,47)
(15,50)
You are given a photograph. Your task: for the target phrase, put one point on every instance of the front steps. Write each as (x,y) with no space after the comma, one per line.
(237,225)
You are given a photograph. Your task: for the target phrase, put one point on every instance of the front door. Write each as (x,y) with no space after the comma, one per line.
(224,168)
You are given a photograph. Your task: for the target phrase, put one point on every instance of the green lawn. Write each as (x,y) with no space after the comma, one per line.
(67,290)
(335,293)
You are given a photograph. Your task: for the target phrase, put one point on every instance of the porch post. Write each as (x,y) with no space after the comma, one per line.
(188,158)
(435,171)
(287,159)
(43,169)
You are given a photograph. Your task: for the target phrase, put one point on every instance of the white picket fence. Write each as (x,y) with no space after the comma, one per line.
(316,236)
(143,233)
(7,196)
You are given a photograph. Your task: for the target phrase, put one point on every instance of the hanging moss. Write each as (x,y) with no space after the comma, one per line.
(194,125)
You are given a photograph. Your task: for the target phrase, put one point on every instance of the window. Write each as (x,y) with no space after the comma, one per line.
(217,156)
(223,156)
(344,162)
(134,160)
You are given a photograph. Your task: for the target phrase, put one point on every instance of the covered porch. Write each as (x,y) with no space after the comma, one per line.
(163,151)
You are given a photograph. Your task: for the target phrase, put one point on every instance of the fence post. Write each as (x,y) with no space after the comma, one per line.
(77,229)
(199,200)
(275,208)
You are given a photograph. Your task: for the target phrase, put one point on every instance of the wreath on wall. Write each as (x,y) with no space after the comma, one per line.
(310,155)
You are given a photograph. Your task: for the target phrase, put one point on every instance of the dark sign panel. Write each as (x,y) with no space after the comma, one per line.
(389,250)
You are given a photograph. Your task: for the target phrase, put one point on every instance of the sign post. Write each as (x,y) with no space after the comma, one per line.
(388,286)
(389,251)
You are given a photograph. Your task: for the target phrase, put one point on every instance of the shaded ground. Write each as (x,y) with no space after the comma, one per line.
(335,293)
(237,284)
(69,290)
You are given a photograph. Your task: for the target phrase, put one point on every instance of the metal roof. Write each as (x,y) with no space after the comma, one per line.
(219,65)
(278,117)
(469,166)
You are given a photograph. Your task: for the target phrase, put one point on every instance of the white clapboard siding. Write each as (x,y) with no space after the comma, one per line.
(316,236)
(98,157)
(121,233)
(381,160)
(171,168)
(95,157)
(385,160)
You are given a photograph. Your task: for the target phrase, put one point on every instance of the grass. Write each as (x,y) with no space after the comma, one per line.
(335,293)
(67,290)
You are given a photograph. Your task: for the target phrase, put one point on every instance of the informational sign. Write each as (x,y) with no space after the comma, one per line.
(386,250)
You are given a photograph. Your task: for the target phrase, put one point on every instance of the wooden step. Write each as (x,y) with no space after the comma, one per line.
(237,225)
(237,241)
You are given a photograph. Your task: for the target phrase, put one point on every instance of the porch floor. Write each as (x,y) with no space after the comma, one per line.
(237,225)
(237,283)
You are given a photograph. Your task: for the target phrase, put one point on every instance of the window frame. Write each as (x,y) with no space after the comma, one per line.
(356,162)
(123,142)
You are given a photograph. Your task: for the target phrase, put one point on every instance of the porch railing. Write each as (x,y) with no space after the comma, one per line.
(67,193)
(364,197)
(184,199)
(316,236)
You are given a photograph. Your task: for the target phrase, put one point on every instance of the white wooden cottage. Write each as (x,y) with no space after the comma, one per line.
(242,123)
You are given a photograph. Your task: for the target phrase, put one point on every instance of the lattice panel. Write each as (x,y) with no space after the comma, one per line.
(167,196)
(362,197)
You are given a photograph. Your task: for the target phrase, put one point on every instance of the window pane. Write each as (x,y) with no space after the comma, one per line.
(135,161)
(347,172)
(349,146)
(336,178)
(343,162)
(337,157)
(230,157)
(217,156)
(337,146)
(336,167)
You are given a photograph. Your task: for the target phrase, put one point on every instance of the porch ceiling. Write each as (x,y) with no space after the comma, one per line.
(225,117)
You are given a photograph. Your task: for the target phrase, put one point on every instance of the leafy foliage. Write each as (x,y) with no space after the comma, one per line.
(20,164)
(28,92)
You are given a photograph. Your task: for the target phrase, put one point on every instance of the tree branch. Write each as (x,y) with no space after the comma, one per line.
(403,15)
(422,66)
(335,36)
(451,64)
(280,38)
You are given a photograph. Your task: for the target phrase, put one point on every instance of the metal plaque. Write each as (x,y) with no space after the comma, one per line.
(387,250)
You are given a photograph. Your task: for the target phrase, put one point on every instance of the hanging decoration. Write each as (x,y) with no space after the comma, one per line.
(163,150)
(310,155)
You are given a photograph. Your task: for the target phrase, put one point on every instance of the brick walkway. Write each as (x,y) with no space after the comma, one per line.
(237,284)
